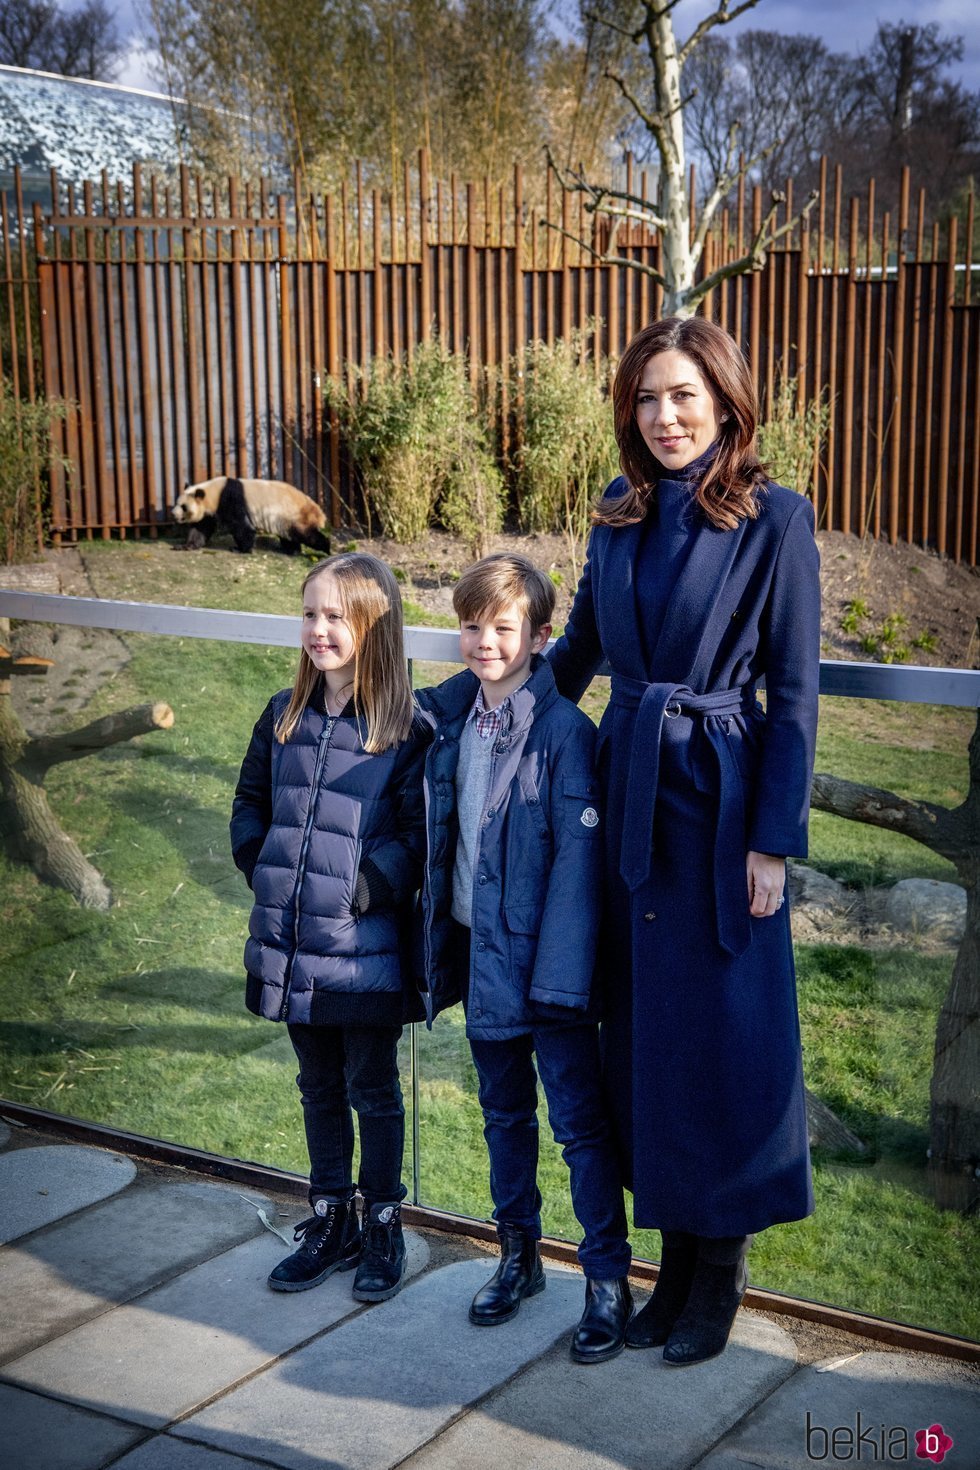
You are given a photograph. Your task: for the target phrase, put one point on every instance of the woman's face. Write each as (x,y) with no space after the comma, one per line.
(677,412)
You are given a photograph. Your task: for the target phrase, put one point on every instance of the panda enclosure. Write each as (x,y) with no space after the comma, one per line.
(191,326)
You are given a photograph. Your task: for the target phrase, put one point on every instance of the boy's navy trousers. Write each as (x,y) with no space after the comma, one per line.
(568,1062)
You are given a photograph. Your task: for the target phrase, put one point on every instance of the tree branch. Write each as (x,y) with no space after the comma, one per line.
(51,750)
(923,821)
(574,182)
(611,25)
(723,183)
(719,17)
(755,257)
(602,257)
(654,122)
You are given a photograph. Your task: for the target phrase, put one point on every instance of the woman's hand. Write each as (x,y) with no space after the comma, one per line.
(766,877)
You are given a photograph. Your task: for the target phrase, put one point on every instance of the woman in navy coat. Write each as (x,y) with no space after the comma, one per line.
(701,583)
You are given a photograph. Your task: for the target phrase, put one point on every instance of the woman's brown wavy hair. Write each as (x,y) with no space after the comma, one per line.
(728,492)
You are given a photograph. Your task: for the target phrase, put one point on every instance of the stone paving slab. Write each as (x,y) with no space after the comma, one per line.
(4,1135)
(894,1393)
(179,1345)
(58,1278)
(41,1185)
(164,1453)
(39,1434)
(633,1412)
(364,1396)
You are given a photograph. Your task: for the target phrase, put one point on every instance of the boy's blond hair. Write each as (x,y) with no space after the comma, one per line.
(502,580)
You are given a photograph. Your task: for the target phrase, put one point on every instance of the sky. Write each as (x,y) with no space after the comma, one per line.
(843,25)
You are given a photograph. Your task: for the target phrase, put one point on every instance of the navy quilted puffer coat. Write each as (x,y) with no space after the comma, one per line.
(307,815)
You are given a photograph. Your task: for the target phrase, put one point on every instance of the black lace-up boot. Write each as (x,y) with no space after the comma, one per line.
(379,1276)
(654,1322)
(331,1241)
(519,1274)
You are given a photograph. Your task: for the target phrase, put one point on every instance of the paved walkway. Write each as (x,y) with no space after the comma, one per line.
(136,1330)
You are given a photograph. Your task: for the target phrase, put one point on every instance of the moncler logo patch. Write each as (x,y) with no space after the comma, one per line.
(321,1207)
(386,1215)
(590,817)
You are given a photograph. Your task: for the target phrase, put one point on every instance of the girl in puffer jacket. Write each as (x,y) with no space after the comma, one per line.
(328,828)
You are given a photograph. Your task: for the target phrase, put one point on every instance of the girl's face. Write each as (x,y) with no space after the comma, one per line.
(327,635)
(678,413)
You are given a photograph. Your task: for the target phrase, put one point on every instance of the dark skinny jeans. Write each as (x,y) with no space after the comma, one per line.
(344,1067)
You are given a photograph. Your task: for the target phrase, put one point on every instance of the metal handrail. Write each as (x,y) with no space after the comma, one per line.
(910,683)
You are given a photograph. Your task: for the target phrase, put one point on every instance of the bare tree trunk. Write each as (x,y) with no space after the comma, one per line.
(954,1125)
(28,827)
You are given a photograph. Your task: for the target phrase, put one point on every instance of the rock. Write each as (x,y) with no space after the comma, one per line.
(33,577)
(926,906)
(809,888)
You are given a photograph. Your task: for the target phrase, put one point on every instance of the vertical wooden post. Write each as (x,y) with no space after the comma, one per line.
(379,345)
(911,475)
(287,413)
(945,405)
(850,332)
(147,427)
(51,379)
(120,508)
(333,358)
(831,483)
(881,374)
(472,301)
(426,259)
(965,317)
(755,284)
(898,361)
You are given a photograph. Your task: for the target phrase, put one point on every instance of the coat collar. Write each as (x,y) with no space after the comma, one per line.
(449,703)
(677,656)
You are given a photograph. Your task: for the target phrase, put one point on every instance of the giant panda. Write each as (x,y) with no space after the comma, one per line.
(245,507)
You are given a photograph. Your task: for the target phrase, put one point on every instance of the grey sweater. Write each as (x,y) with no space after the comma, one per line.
(472,788)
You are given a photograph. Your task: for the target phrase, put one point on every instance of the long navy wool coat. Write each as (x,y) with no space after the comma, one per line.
(701,1042)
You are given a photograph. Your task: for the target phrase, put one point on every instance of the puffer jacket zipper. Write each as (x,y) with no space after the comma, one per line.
(321,756)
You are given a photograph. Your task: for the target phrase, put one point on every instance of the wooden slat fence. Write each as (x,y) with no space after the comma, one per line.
(193,325)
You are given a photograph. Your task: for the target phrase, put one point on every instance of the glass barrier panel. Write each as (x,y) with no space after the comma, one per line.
(874,964)
(134,1016)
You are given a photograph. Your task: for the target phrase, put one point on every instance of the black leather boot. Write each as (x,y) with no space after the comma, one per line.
(654,1322)
(702,1329)
(331,1241)
(601,1332)
(379,1275)
(519,1274)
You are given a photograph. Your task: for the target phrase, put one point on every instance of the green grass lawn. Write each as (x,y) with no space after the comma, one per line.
(135,1017)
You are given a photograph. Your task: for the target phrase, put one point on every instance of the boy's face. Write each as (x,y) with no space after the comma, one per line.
(498,647)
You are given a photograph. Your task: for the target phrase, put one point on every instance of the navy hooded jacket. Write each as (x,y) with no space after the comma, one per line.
(538,869)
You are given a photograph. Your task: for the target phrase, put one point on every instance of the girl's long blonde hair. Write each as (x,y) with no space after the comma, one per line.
(372,605)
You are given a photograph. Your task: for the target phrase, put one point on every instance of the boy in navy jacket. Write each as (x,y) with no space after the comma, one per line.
(510,913)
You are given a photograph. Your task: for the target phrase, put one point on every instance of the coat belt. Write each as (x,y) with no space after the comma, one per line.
(653,704)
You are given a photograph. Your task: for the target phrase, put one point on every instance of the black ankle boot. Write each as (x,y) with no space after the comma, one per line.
(519,1274)
(379,1276)
(654,1322)
(601,1332)
(702,1329)
(331,1241)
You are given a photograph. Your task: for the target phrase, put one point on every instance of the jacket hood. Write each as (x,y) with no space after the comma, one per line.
(449,704)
